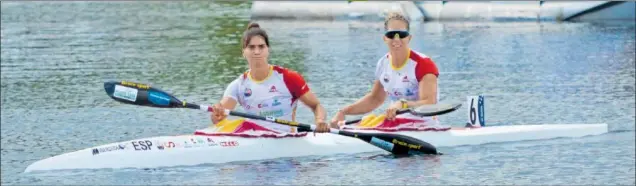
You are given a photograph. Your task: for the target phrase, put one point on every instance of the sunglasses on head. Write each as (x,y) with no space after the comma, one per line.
(400,33)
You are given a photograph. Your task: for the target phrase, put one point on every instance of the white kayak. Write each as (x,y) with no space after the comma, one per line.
(189,150)
(202,148)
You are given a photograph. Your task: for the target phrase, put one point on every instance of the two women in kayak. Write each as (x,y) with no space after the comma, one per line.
(408,78)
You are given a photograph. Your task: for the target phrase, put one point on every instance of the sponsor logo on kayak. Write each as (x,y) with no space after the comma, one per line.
(109,148)
(229,143)
(199,142)
(193,141)
(142,145)
(186,144)
(166,145)
(169,144)
(211,142)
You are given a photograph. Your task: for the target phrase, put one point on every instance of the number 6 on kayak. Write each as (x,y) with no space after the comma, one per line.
(144,95)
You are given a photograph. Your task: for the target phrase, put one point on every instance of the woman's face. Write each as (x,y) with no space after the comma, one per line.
(256,51)
(397,36)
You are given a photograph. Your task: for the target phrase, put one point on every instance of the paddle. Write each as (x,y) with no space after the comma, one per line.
(423,111)
(145,95)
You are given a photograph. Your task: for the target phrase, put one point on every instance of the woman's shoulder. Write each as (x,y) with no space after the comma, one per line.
(420,57)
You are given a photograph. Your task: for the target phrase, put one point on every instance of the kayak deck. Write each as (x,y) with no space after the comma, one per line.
(201,149)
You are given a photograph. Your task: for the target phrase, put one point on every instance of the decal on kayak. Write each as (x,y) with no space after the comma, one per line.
(476,111)
(96,151)
(229,143)
(126,93)
(166,145)
(195,141)
(142,145)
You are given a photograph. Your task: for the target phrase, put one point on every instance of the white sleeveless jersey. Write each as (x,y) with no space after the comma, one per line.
(403,82)
(276,96)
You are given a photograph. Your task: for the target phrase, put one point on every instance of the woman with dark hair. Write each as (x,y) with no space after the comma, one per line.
(268,90)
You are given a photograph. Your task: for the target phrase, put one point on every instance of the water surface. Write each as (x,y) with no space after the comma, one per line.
(56,55)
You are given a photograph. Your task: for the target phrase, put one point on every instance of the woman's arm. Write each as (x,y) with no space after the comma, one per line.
(312,102)
(368,103)
(427,91)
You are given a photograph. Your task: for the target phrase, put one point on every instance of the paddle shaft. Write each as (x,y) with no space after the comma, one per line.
(263,118)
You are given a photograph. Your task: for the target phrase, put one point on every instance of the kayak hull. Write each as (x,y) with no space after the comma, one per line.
(190,150)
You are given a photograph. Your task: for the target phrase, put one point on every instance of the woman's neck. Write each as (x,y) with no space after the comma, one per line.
(260,72)
(398,58)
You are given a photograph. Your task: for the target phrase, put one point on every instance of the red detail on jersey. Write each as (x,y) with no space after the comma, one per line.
(273,89)
(424,66)
(294,82)
(405,79)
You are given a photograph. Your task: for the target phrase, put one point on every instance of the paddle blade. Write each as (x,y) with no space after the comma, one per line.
(395,143)
(140,94)
(435,109)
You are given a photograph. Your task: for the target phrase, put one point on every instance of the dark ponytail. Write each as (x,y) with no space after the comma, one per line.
(253,29)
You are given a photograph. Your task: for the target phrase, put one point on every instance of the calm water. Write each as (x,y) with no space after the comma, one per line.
(55,57)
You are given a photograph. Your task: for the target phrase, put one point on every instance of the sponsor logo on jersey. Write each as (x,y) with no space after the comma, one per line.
(248,92)
(275,103)
(271,113)
(262,105)
(409,92)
